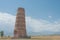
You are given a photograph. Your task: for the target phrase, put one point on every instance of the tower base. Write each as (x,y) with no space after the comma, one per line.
(26,37)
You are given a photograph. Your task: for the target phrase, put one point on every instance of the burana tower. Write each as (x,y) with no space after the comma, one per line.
(20,26)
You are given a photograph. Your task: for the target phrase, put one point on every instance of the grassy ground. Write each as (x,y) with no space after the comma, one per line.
(29,39)
(36,38)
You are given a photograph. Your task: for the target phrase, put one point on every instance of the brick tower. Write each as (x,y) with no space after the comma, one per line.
(20,27)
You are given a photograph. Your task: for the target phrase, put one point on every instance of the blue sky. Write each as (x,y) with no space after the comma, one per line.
(34,8)
(47,11)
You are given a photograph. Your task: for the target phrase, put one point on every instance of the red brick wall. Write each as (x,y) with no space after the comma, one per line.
(20,28)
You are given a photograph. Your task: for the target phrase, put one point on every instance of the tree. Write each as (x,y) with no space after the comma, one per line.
(2,33)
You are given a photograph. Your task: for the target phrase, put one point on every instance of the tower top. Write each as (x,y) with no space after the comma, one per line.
(20,8)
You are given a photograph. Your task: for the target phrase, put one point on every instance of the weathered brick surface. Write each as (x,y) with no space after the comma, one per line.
(20,28)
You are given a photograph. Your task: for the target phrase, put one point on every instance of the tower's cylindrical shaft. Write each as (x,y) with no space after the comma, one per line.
(20,27)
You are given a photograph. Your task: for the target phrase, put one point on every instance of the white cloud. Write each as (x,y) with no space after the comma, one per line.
(7,22)
(50,16)
(43,25)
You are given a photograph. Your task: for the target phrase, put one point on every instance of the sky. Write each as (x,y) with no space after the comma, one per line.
(42,16)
